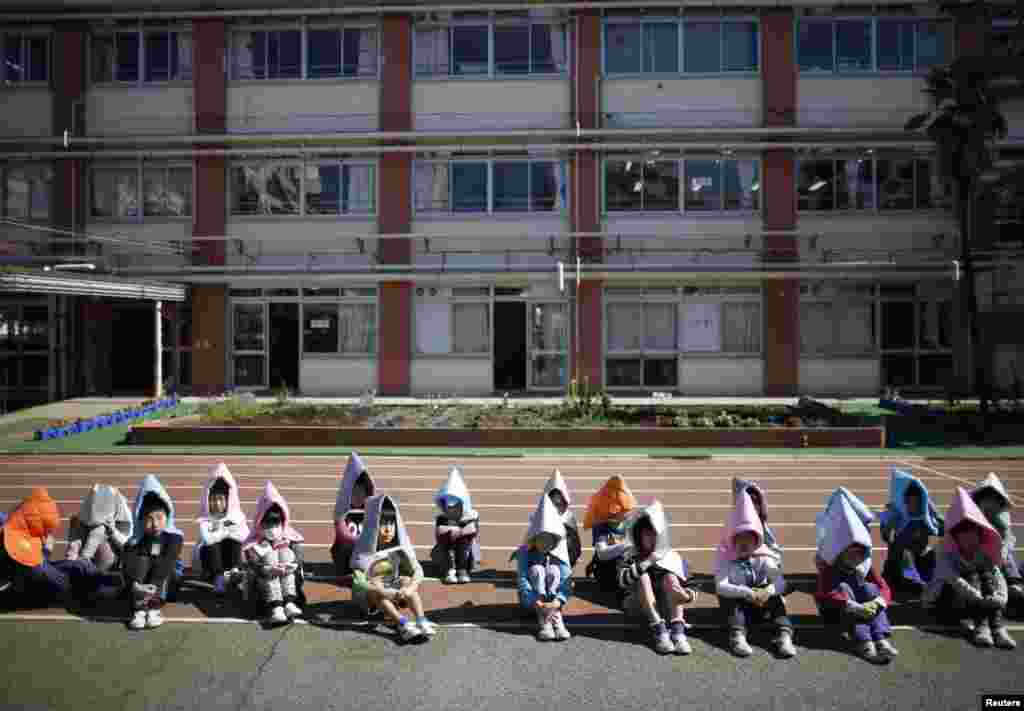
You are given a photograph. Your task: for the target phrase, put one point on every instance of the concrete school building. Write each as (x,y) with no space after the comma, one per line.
(474,198)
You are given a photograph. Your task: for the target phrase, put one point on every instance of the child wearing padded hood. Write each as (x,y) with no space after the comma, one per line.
(545,576)
(150,559)
(653,577)
(848,585)
(386,574)
(907,523)
(222,530)
(456,530)
(100,530)
(757,497)
(606,515)
(26,539)
(969,586)
(349,512)
(558,492)
(274,556)
(994,502)
(748,580)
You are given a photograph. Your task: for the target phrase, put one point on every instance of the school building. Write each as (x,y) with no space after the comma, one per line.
(708,198)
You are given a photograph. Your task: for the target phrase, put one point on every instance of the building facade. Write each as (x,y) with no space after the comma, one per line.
(708,201)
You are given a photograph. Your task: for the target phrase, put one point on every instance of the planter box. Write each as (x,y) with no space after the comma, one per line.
(295,436)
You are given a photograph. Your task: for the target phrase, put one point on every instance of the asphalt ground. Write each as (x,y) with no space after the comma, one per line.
(485,655)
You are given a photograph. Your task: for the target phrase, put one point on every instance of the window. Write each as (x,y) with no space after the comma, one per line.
(703,185)
(739,47)
(719,184)
(115,192)
(522,186)
(852,183)
(917,336)
(515,186)
(167,191)
(624,49)
(148,56)
(845,326)
(333,52)
(340,188)
(815,52)
(646,331)
(522,46)
(249,327)
(430,187)
(896,184)
(652,46)
(470,53)
(469,186)
(26,58)
(267,54)
(641,184)
(27,191)
(460,324)
(358,326)
(853,45)
(265,189)
(471,327)
(702,46)
(320,328)
(653,184)
(885,44)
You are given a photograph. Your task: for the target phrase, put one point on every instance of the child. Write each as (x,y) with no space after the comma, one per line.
(545,576)
(222,530)
(606,513)
(558,492)
(969,586)
(653,576)
(273,554)
(992,499)
(760,505)
(822,521)
(848,586)
(386,574)
(907,523)
(27,533)
(100,530)
(355,488)
(456,530)
(150,558)
(748,580)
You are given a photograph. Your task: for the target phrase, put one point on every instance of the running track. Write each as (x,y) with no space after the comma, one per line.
(696,494)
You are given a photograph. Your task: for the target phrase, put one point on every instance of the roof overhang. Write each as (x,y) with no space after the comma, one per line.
(80,285)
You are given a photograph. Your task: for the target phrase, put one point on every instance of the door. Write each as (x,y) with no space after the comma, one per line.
(509,345)
(549,345)
(284,346)
(133,349)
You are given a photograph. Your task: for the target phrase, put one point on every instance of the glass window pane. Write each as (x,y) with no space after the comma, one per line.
(245,62)
(815,185)
(18,190)
(625,327)
(34,327)
(320,328)
(550,328)
(855,330)
(544,186)
(703,185)
(624,49)
(739,46)
(897,371)
(660,327)
(660,372)
(323,189)
(367,55)
(469,187)
(814,46)
(167,192)
(661,48)
(624,372)
(358,328)
(40,192)
(853,45)
(512,49)
(741,327)
(324,53)
(897,325)
(854,184)
(471,325)
(547,49)
(359,187)
(936,370)
(702,46)
(249,371)
(266,190)
(128,56)
(895,45)
(742,185)
(38,58)
(816,329)
(103,56)
(934,44)
(896,183)
(284,54)
(661,185)
(430,186)
(549,371)
(249,327)
(432,51)
(624,185)
(115,192)
(469,45)
(14,65)
(936,324)
(511,186)
(158,56)
(181,59)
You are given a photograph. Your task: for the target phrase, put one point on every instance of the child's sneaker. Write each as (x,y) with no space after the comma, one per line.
(463,576)
(678,637)
(1016,592)
(739,645)
(408,632)
(450,577)
(5,584)
(138,620)
(220,584)
(561,633)
(866,650)
(662,642)
(884,646)
(546,633)
(1003,640)
(967,626)
(292,610)
(277,616)
(154,618)
(427,627)
(784,644)
(983,635)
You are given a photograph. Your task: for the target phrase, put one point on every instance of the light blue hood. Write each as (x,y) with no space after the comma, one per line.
(151,485)
(896,516)
(823,521)
(843,526)
(455,487)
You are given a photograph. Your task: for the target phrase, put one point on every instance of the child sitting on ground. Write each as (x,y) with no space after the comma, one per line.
(994,502)
(222,530)
(386,574)
(848,586)
(749,582)
(558,492)
(150,560)
(26,574)
(100,530)
(908,522)
(456,530)
(349,512)
(969,587)
(653,577)
(760,505)
(545,577)
(606,514)
(274,556)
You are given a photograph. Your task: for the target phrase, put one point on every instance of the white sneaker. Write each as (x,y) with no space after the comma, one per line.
(138,621)
(884,646)
(409,631)
(1003,640)
(154,618)
(785,646)
(220,584)
(427,627)
(561,633)
(450,577)
(739,645)
(463,576)
(546,633)
(5,584)
(277,616)
(292,610)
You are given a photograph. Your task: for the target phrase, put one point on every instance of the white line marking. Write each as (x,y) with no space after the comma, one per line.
(200,480)
(969,484)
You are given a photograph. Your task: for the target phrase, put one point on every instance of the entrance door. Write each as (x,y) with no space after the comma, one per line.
(549,345)
(284,346)
(509,345)
(133,349)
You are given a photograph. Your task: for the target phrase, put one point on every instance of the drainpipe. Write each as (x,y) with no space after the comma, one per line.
(158,361)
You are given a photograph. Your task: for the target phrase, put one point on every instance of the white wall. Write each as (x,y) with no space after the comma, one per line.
(854,101)
(839,376)
(721,376)
(324,376)
(446,105)
(163,109)
(447,374)
(26,111)
(681,102)
(303,106)
(294,236)
(886,231)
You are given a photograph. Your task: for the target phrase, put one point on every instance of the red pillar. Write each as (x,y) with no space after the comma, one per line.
(69,205)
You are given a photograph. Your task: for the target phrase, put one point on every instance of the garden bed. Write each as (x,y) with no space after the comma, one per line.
(56,429)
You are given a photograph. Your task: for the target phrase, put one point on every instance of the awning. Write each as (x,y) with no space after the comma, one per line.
(81,285)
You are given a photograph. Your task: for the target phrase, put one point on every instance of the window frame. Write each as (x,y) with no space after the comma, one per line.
(5,169)
(303,26)
(489,209)
(873,22)
(25,53)
(142,31)
(810,293)
(450,299)
(301,164)
(874,157)
(916,351)
(139,166)
(680,161)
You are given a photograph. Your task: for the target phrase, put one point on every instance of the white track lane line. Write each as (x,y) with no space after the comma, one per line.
(418,477)
(969,484)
